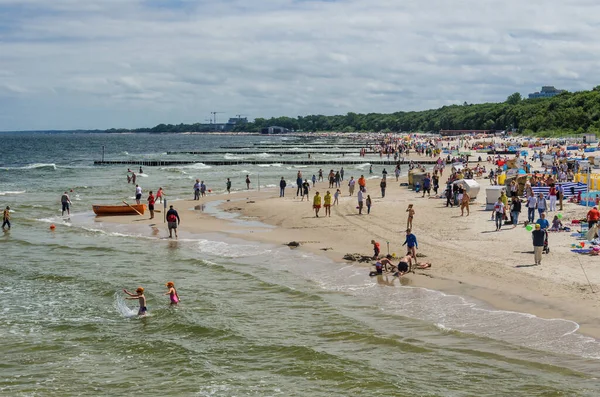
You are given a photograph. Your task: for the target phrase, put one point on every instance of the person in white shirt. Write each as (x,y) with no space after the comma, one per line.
(531,204)
(351,184)
(360,201)
(499,212)
(138,194)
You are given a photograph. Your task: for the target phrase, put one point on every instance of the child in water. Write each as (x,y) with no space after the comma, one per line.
(139,295)
(173,296)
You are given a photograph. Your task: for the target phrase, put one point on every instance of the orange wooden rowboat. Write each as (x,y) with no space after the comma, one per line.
(104,210)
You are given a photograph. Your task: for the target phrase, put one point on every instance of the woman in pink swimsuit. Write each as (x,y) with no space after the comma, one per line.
(172,293)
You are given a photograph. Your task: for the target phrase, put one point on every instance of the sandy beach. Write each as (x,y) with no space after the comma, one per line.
(469,258)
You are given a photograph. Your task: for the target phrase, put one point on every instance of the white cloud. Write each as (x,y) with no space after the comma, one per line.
(138,63)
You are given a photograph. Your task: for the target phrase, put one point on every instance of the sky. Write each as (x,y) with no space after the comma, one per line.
(96,64)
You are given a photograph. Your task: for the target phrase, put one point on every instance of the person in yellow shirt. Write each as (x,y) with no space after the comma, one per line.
(327,203)
(317,204)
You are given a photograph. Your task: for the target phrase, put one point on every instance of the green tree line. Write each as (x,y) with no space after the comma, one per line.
(566,113)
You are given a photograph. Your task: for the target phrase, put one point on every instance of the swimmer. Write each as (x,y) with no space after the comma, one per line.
(139,295)
(173,296)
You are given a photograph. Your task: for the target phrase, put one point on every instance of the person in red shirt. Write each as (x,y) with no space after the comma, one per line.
(592,217)
(362,182)
(376,249)
(151,204)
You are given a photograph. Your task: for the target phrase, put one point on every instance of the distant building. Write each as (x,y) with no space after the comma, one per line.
(274,130)
(548,91)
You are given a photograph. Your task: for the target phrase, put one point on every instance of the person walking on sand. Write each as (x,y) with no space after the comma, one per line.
(247,182)
(172,292)
(542,206)
(336,197)
(515,210)
(197,190)
(327,203)
(411,214)
(538,236)
(362,182)
(464,204)
(299,185)
(228,186)
(314,180)
(6,218)
(317,204)
(427,185)
(282,185)
(499,213)
(376,249)
(159,194)
(138,194)
(360,201)
(173,221)
(531,204)
(305,190)
(411,243)
(139,295)
(449,196)
(368,203)
(383,185)
(151,204)
(66,203)
(351,184)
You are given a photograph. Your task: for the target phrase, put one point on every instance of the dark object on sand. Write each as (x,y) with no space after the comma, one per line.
(358,258)
(293,244)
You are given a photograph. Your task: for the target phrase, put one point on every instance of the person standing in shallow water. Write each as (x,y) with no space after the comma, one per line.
(151,204)
(66,202)
(172,292)
(228,186)
(6,218)
(248,182)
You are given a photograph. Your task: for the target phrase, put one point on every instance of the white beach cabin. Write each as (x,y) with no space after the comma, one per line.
(471,186)
(491,196)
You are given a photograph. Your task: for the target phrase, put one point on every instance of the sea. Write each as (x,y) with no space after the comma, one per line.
(254,319)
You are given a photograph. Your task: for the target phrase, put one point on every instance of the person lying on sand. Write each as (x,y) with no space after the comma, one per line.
(424,265)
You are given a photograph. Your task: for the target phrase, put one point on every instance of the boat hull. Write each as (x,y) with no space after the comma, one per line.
(106,210)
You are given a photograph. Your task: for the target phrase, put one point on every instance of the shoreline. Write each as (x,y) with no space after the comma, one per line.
(543,291)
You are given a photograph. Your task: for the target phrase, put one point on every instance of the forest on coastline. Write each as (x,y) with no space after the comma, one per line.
(565,114)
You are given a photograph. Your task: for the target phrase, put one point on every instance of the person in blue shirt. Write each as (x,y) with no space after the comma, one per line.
(543,222)
(411,243)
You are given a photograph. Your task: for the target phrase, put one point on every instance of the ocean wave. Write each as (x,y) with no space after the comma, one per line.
(33,166)
(12,192)
(229,156)
(269,165)
(220,248)
(263,155)
(181,169)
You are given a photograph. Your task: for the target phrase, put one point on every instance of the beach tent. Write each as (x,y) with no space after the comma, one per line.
(491,196)
(457,167)
(417,177)
(471,186)
(416,173)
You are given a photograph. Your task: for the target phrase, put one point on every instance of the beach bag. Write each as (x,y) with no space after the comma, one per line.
(171,218)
